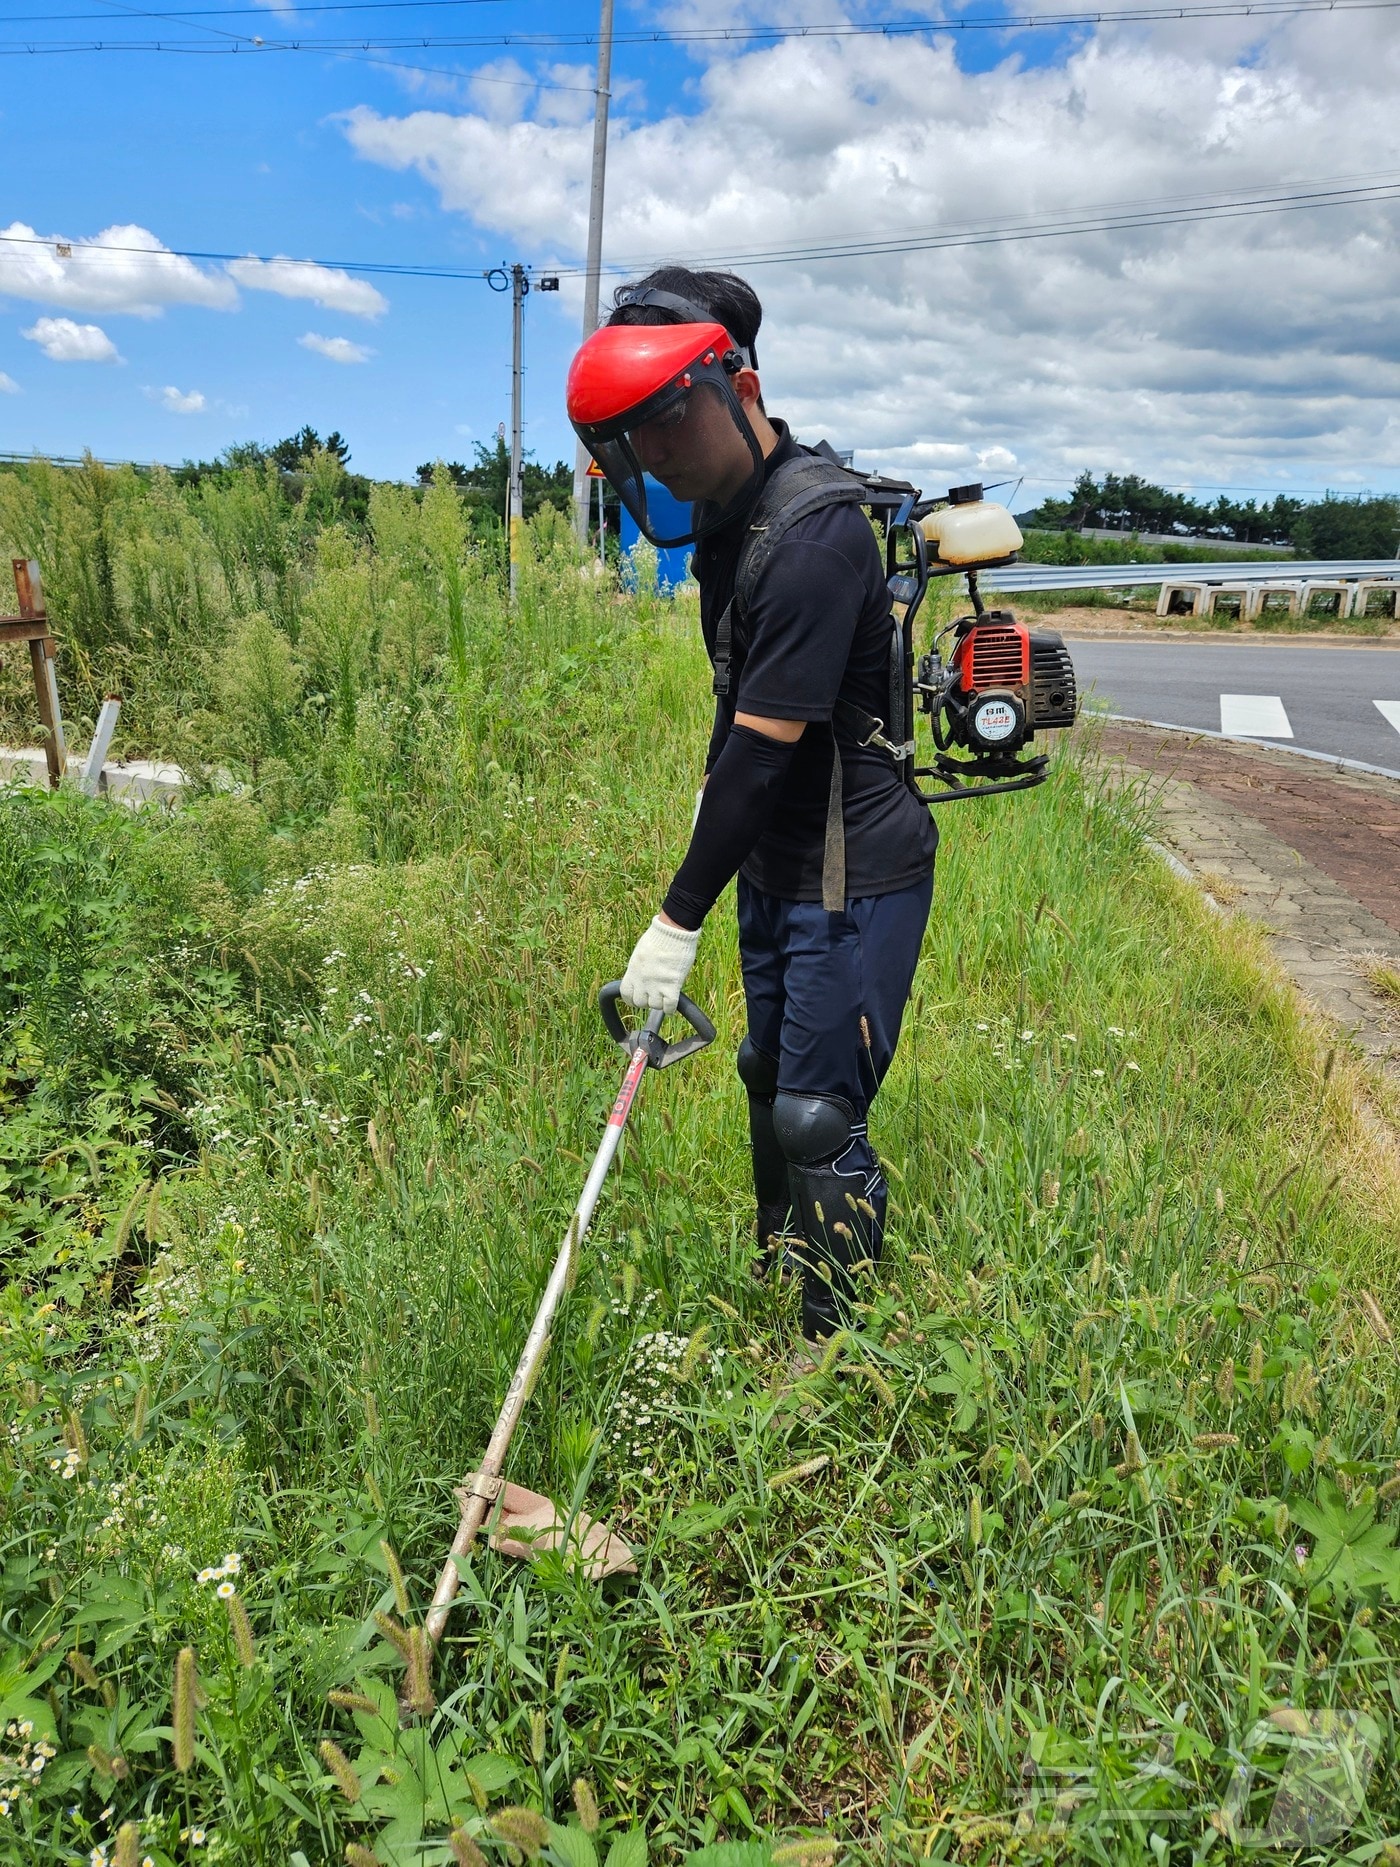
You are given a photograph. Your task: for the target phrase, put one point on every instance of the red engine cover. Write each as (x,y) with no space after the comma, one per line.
(994,654)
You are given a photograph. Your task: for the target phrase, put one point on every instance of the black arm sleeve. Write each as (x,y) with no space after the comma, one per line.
(719,732)
(739,800)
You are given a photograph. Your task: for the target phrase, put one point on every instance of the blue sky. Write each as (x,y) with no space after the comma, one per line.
(1255,352)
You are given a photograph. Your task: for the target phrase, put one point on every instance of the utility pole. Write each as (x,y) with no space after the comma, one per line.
(515,495)
(601,97)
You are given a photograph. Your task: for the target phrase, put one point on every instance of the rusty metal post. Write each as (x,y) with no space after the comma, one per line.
(29,588)
(32,625)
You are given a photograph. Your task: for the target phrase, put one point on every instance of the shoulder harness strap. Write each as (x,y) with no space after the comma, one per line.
(800,487)
(806,484)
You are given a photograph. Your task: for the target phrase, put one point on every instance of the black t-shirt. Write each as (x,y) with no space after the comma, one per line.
(817,630)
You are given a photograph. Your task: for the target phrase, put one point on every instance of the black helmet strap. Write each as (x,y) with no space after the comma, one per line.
(685,308)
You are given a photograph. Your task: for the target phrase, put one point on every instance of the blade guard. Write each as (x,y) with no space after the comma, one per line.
(660,1055)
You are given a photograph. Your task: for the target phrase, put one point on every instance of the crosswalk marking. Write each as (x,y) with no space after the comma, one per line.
(1390,709)
(1253,716)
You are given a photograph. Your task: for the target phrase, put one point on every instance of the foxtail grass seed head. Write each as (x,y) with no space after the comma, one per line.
(82,1670)
(1086,1380)
(182,1709)
(1282,1519)
(356,1856)
(391,1563)
(372,1425)
(586,1805)
(835,1348)
(1133,1460)
(127,1851)
(105,1762)
(811,1851)
(792,1473)
(1049,1190)
(1078,1499)
(392,1632)
(75,1438)
(1256,1363)
(537,1735)
(875,1381)
(1390,1489)
(1375,1315)
(694,1351)
(464,1850)
(561,1667)
(1021,1465)
(353,1701)
(138,1412)
(1225,1381)
(376,1496)
(630,1283)
(1215,1442)
(241,1629)
(525,1829)
(1097,1427)
(974,1520)
(418,1686)
(340,1767)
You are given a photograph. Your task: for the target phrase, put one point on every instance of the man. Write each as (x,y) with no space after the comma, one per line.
(670,388)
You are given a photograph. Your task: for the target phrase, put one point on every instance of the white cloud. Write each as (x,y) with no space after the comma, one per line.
(336,349)
(8,385)
(63,341)
(1231,350)
(122,269)
(326,286)
(178,401)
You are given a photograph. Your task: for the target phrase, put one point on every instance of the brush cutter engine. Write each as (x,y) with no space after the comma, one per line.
(1000,685)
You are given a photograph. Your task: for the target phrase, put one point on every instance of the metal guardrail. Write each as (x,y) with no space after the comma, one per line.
(1126,576)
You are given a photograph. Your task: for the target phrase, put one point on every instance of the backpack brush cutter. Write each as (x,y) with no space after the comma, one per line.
(986,683)
(988,690)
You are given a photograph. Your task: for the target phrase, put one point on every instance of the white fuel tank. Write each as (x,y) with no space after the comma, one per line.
(971,530)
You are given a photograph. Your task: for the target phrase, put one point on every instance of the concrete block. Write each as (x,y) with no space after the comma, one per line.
(1181,599)
(1326,589)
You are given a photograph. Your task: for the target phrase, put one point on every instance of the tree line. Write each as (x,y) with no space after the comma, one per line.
(1334,526)
(483,484)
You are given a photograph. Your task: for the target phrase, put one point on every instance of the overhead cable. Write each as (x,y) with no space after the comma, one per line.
(1262,10)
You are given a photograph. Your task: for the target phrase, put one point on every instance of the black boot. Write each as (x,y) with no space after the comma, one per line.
(772,1194)
(842,1218)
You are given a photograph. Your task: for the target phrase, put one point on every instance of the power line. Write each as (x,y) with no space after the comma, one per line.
(1052,226)
(713,35)
(253,12)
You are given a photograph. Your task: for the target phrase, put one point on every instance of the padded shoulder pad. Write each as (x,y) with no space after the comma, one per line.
(801,486)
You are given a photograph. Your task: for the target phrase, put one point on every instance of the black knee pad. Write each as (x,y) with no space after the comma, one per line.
(758,1072)
(811,1129)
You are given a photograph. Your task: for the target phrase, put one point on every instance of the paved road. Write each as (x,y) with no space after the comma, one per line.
(1320,698)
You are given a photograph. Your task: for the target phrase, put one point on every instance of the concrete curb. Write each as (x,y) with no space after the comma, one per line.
(1271,745)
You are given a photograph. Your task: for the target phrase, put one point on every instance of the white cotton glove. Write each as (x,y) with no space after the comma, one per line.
(657,969)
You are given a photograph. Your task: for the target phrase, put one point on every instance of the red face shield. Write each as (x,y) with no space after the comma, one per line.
(657,399)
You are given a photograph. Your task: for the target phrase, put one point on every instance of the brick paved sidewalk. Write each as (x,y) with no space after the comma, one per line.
(1310,852)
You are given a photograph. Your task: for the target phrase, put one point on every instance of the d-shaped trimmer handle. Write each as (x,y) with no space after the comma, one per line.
(661,1054)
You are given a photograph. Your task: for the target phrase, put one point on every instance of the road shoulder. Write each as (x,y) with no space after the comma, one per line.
(1311,855)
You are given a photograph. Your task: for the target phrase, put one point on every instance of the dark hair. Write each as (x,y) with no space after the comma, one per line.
(730,300)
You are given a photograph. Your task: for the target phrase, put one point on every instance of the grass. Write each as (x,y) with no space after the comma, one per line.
(1052,1559)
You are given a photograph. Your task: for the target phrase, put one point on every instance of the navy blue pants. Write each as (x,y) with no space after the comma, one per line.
(826,993)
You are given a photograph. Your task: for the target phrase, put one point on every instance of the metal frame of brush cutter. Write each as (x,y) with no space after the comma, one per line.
(645,1049)
(908,579)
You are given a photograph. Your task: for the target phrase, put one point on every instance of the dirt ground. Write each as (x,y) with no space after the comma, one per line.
(1100,620)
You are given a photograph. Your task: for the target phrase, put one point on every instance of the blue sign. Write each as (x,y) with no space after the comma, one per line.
(668,515)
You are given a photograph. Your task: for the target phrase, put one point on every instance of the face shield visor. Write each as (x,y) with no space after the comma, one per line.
(658,400)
